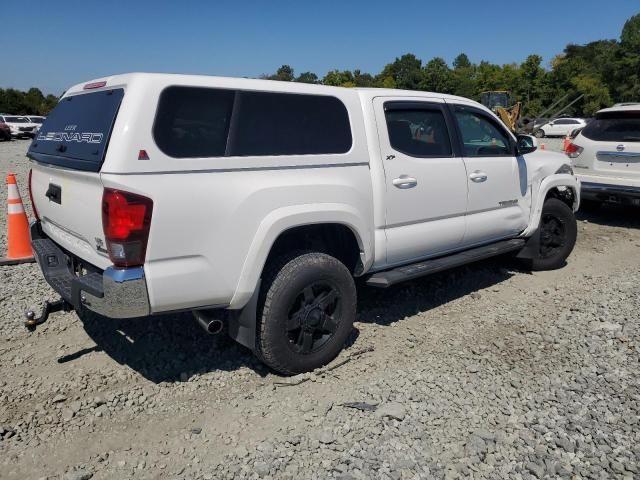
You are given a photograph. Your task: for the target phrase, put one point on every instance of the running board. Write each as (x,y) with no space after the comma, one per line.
(415,270)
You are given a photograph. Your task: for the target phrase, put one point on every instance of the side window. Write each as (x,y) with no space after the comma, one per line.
(288,124)
(193,122)
(418,131)
(481,136)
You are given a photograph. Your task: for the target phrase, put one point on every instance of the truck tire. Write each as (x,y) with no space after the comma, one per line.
(306,311)
(558,231)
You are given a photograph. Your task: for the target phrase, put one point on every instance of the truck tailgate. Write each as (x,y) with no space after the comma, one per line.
(69,204)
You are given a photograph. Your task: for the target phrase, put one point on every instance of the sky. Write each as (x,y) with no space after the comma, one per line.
(52,45)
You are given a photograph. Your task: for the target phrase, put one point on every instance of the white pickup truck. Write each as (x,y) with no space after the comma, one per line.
(255,203)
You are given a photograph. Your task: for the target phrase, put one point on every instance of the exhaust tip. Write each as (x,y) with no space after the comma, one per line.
(213,326)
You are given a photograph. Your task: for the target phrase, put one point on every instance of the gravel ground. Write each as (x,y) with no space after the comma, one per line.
(482,372)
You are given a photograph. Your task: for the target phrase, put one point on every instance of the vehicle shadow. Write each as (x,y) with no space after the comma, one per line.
(386,306)
(167,348)
(613,216)
(172,348)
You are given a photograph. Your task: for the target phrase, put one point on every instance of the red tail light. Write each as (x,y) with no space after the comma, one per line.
(126,220)
(573,150)
(33,205)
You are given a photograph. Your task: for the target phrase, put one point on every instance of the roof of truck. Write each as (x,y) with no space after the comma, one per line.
(253,83)
(621,108)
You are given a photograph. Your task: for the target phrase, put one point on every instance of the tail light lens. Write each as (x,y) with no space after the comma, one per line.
(126,220)
(33,204)
(573,150)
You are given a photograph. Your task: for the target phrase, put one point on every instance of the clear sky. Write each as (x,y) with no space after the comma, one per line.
(52,44)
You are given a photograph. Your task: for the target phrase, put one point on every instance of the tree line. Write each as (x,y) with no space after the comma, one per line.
(31,102)
(604,71)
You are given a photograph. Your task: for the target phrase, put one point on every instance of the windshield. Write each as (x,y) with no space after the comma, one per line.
(16,119)
(76,132)
(614,127)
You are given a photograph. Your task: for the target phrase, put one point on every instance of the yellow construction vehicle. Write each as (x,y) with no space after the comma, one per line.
(498,101)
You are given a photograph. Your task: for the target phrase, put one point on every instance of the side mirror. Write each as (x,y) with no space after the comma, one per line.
(526,144)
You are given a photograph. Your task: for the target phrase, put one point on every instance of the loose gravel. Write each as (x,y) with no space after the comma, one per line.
(482,372)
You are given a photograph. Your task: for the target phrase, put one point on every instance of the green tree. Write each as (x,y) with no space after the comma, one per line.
(437,76)
(406,72)
(596,94)
(307,77)
(339,78)
(464,77)
(284,74)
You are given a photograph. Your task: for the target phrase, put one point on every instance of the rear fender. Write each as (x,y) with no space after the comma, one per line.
(285,218)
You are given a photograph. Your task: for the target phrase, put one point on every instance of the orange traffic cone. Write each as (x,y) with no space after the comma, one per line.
(18,241)
(566,143)
(542,147)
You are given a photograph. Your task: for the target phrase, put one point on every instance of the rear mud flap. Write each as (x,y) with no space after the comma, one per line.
(241,324)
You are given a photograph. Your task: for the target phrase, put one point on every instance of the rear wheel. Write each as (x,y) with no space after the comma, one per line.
(308,307)
(558,232)
(539,133)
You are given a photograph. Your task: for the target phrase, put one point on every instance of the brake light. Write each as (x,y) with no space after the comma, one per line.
(33,205)
(573,150)
(89,86)
(126,221)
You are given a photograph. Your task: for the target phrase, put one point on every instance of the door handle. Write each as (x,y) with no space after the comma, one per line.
(478,176)
(404,181)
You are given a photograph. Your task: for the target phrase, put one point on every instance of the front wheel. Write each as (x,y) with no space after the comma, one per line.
(558,232)
(539,133)
(308,304)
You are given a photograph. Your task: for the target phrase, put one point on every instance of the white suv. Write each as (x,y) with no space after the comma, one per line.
(606,156)
(255,203)
(20,127)
(560,127)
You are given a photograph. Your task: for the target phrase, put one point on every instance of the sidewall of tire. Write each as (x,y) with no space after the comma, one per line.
(564,212)
(286,281)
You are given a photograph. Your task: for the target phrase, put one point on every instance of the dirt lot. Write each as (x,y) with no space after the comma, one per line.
(482,372)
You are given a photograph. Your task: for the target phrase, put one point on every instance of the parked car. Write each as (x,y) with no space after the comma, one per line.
(5,130)
(20,127)
(606,156)
(36,121)
(560,127)
(255,203)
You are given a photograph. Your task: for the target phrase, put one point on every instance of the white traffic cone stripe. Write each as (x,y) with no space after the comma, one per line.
(15,208)
(13,191)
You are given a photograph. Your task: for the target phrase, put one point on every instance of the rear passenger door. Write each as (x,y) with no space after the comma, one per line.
(498,199)
(426,185)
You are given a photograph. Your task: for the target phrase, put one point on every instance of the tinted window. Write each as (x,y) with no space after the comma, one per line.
(288,124)
(76,132)
(418,132)
(206,122)
(193,122)
(36,119)
(17,119)
(561,122)
(614,127)
(481,135)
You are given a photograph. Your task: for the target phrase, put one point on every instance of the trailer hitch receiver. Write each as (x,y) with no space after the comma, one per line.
(49,307)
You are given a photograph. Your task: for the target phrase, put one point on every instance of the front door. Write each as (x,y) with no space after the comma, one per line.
(426,183)
(499,197)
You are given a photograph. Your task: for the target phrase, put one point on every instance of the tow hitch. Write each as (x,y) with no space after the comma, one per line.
(49,307)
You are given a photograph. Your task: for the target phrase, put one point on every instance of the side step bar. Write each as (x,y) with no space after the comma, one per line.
(427,267)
